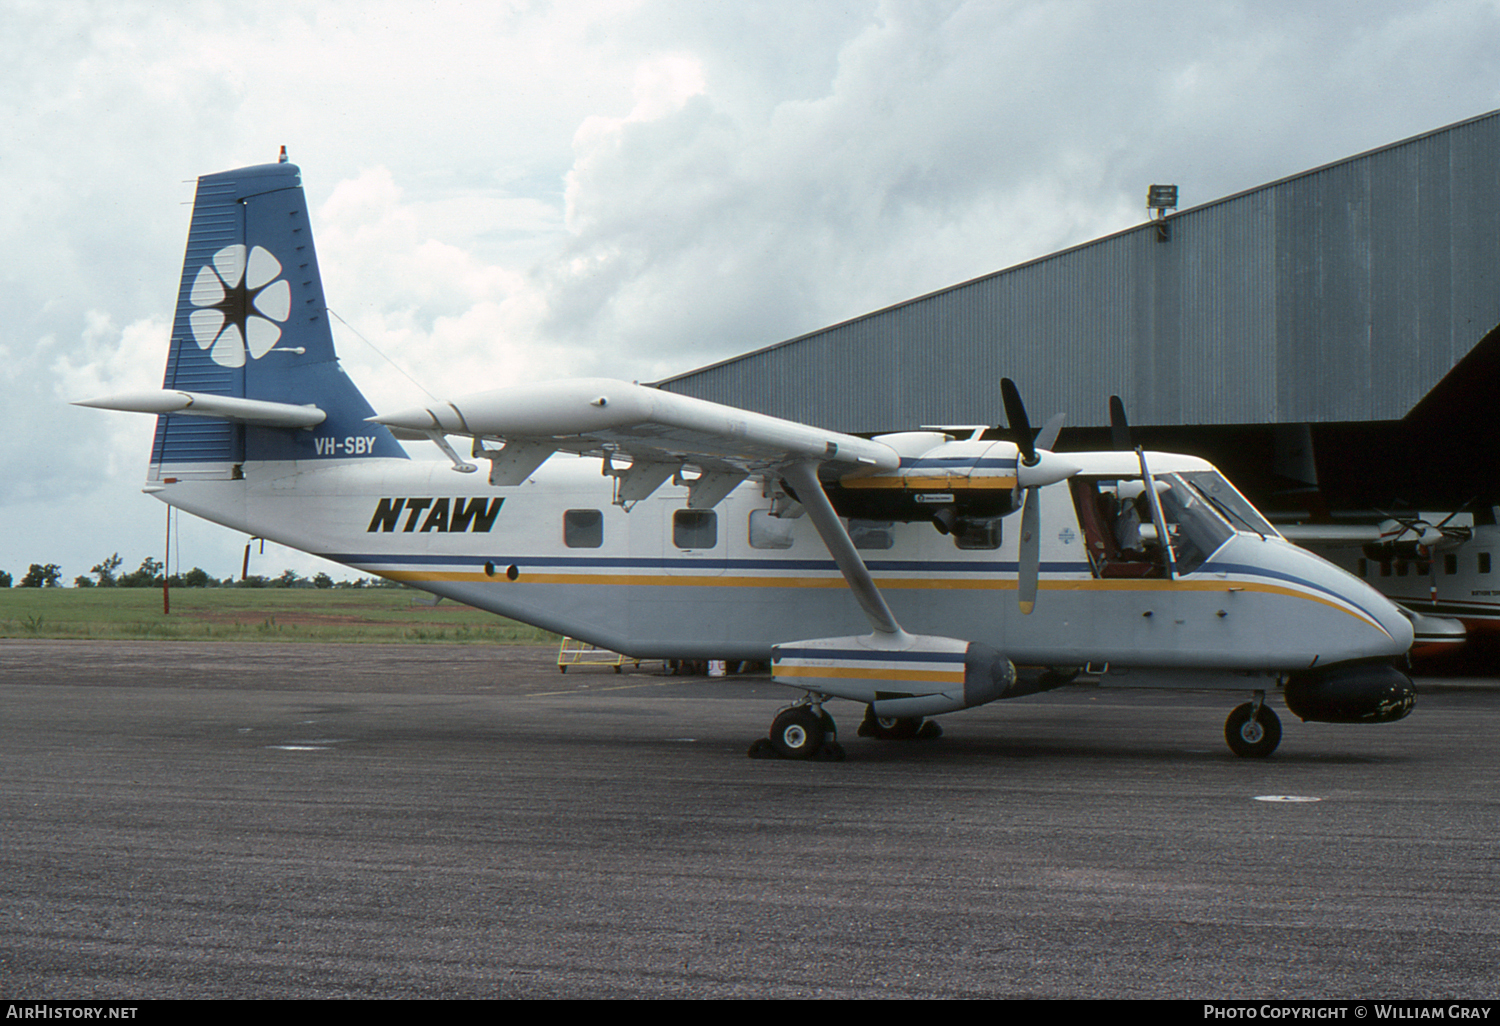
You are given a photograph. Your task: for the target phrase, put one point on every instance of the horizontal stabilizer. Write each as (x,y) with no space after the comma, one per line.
(224,407)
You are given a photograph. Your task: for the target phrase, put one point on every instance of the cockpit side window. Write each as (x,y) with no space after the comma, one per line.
(1120,530)
(1111,530)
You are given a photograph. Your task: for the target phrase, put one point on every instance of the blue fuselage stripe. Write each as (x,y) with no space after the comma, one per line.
(996,566)
(1276,575)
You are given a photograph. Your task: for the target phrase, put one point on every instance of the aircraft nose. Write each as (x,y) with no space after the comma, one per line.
(1387,614)
(1379,629)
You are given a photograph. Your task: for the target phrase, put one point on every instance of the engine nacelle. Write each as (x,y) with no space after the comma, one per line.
(916,675)
(962,487)
(970,479)
(1351,693)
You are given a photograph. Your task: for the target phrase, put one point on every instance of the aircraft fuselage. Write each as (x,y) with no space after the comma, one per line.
(666,581)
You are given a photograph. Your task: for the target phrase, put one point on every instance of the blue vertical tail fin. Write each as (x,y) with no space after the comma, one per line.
(251,323)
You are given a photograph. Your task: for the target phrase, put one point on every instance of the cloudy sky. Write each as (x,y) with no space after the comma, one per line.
(508,191)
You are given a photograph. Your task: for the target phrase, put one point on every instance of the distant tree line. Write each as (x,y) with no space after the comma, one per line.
(150,574)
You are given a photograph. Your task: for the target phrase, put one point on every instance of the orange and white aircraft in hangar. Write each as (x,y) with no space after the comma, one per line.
(911,573)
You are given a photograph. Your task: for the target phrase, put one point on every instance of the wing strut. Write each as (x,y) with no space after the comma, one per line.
(803,478)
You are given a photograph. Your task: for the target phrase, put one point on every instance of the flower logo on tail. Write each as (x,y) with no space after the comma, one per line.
(239,305)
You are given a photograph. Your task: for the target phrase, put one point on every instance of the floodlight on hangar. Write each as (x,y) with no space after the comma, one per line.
(1160,199)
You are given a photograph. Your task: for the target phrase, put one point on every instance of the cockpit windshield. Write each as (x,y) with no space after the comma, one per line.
(1223,496)
(1194,530)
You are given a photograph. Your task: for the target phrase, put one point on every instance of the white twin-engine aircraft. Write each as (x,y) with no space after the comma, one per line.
(887,571)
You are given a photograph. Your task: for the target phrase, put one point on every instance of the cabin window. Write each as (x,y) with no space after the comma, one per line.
(768,532)
(1363,567)
(583,528)
(977,533)
(1484,562)
(695,528)
(1450,563)
(871,534)
(1400,568)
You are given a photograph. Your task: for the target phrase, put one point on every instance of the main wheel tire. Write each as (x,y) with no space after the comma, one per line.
(1251,736)
(798,733)
(889,728)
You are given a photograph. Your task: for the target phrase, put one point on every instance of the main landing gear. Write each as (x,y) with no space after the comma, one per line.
(806,731)
(1253,730)
(897,728)
(802,731)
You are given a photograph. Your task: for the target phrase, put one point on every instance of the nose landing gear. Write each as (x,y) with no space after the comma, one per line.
(1253,730)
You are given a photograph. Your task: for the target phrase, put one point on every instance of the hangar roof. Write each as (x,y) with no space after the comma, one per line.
(1343,293)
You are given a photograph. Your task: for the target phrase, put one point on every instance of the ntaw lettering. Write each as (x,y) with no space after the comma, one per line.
(448,515)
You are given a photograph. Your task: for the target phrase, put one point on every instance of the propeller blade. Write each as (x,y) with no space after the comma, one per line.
(1048,437)
(1119,427)
(1015,418)
(1030,551)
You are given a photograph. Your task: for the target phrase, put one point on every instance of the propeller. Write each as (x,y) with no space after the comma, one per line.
(1423,535)
(1035,467)
(1426,539)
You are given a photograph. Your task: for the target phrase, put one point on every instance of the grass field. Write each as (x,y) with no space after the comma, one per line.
(253,614)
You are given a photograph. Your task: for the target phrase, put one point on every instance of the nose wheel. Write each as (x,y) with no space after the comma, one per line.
(1253,730)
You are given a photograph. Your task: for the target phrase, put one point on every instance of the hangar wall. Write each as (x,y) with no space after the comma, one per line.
(1340,294)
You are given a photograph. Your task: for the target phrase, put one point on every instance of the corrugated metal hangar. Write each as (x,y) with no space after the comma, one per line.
(1339,296)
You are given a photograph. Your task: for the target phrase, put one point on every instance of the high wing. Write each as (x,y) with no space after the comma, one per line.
(659,433)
